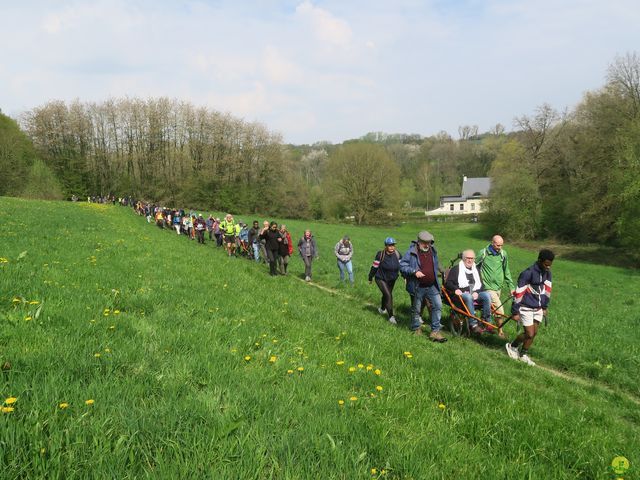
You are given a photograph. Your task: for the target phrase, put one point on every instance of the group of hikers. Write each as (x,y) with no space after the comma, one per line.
(474,283)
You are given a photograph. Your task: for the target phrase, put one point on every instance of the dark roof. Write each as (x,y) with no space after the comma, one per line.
(476,187)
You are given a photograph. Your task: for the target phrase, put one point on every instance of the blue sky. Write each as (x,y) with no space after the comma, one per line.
(318,70)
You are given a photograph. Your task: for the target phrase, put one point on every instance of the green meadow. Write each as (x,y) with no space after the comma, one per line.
(127,351)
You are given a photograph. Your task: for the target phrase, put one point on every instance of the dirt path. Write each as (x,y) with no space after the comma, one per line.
(582,381)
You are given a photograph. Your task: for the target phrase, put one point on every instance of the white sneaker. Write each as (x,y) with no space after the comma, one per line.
(307,279)
(392,321)
(525,358)
(512,352)
(421,321)
(382,311)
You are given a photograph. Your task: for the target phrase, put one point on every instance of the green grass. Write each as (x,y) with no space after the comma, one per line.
(175,397)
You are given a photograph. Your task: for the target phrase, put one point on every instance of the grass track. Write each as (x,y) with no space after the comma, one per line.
(174,395)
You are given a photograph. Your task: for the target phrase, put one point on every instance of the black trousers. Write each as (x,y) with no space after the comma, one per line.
(387,295)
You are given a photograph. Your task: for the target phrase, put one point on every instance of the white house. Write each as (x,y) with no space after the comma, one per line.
(475,192)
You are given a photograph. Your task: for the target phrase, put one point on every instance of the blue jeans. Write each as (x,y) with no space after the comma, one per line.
(484,299)
(419,295)
(256,251)
(348,267)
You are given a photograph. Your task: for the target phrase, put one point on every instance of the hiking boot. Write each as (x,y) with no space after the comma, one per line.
(382,311)
(392,320)
(437,337)
(525,359)
(417,331)
(511,351)
(477,330)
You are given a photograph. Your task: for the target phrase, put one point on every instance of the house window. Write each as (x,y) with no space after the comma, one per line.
(451,207)
(461,206)
(473,206)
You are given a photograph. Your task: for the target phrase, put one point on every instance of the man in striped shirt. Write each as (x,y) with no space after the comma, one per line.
(531,300)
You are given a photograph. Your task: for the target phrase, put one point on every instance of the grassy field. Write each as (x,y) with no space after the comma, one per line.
(134,353)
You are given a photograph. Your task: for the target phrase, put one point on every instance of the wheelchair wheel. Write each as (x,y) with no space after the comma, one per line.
(456,324)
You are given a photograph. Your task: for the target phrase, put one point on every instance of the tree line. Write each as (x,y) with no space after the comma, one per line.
(571,175)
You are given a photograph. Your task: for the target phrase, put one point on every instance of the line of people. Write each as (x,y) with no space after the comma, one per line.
(476,280)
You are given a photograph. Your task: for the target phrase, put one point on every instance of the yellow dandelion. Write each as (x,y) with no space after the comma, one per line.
(340,362)
(409,356)
(43,451)
(273,359)
(369,367)
(257,344)
(352,369)
(289,372)
(7,409)
(285,302)
(360,365)
(377,371)
(26,319)
(116,312)
(383,472)
(234,350)
(97,355)
(34,302)
(379,388)
(92,321)
(16,300)
(353,399)
(106,314)
(275,340)
(374,471)
(106,310)
(406,353)
(247,357)
(341,402)
(10,401)
(301,369)
(337,338)
(442,406)
(112,327)
(63,405)
(107,350)
(224,286)
(372,395)
(91,401)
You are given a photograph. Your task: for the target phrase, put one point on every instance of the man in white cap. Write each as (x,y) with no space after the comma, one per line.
(419,266)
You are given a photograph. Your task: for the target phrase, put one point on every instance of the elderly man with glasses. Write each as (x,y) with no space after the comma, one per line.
(464,281)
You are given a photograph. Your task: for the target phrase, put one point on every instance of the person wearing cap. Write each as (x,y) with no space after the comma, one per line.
(385,269)
(419,266)
(344,252)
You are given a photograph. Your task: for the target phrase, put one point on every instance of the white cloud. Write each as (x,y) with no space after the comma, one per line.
(278,69)
(326,27)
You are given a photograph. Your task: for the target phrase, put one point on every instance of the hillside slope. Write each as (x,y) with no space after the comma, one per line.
(205,367)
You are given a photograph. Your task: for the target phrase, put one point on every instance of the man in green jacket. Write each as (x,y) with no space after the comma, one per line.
(493,264)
